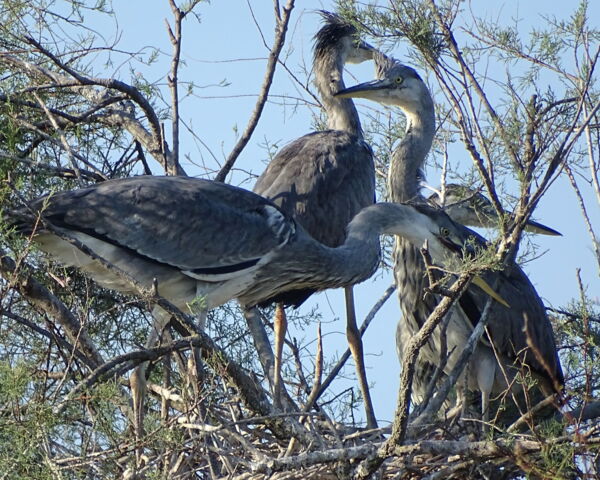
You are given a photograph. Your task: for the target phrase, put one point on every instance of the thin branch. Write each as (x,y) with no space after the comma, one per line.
(584,213)
(280,32)
(175,38)
(60,341)
(61,172)
(442,392)
(120,117)
(41,297)
(111,83)
(63,139)
(318,373)
(457,55)
(363,328)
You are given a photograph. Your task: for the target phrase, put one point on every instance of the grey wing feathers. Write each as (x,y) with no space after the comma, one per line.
(507,327)
(322,179)
(183,222)
(511,332)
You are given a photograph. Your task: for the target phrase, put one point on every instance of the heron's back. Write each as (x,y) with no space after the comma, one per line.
(323,179)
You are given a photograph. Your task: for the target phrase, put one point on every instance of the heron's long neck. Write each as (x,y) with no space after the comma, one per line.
(403,186)
(341,112)
(358,257)
(409,157)
(354,261)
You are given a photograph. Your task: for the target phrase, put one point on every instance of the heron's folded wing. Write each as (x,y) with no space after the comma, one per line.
(186,223)
(523,326)
(309,173)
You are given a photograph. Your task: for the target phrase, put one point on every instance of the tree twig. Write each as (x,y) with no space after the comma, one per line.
(280,32)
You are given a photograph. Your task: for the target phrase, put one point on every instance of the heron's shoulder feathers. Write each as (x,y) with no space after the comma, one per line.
(182,222)
(322,179)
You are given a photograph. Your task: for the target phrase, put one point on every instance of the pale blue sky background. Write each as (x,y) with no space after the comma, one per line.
(226,48)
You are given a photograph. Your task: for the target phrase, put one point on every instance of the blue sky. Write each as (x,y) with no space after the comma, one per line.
(224,54)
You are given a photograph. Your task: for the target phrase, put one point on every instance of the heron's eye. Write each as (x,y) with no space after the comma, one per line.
(444,232)
(399,80)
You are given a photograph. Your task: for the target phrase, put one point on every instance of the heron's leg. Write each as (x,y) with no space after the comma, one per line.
(137,380)
(137,383)
(356,347)
(195,372)
(261,343)
(202,318)
(280,328)
(265,353)
(486,373)
(461,395)
(485,410)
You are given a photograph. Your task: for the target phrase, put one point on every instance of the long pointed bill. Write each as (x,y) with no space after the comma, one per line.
(362,90)
(477,280)
(481,283)
(486,211)
(541,229)
(531,225)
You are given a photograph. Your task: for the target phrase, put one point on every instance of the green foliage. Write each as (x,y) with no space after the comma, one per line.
(556,459)
(25,424)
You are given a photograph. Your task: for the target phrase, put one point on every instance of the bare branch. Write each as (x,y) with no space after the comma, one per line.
(363,328)
(42,298)
(120,117)
(280,32)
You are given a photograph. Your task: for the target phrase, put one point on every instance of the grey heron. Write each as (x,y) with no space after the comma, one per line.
(505,348)
(203,243)
(470,207)
(324,178)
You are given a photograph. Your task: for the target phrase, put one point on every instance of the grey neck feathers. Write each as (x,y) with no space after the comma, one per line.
(358,258)
(409,157)
(341,112)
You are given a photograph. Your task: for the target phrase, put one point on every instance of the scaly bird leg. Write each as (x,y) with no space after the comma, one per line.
(486,373)
(280,327)
(261,343)
(356,347)
(137,380)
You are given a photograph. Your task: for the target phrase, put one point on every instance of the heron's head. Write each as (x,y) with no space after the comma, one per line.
(464,205)
(396,84)
(448,242)
(339,37)
(446,239)
(469,206)
(359,51)
(418,223)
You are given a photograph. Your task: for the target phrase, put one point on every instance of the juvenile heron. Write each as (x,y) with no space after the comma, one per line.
(206,242)
(324,178)
(505,348)
(470,207)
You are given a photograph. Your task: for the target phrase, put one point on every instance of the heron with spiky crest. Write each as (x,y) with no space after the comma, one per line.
(518,336)
(324,178)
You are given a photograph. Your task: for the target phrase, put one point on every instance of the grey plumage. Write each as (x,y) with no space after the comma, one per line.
(470,207)
(509,327)
(324,178)
(201,238)
(400,85)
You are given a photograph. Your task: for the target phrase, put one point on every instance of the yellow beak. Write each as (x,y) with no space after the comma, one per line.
(481,283)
